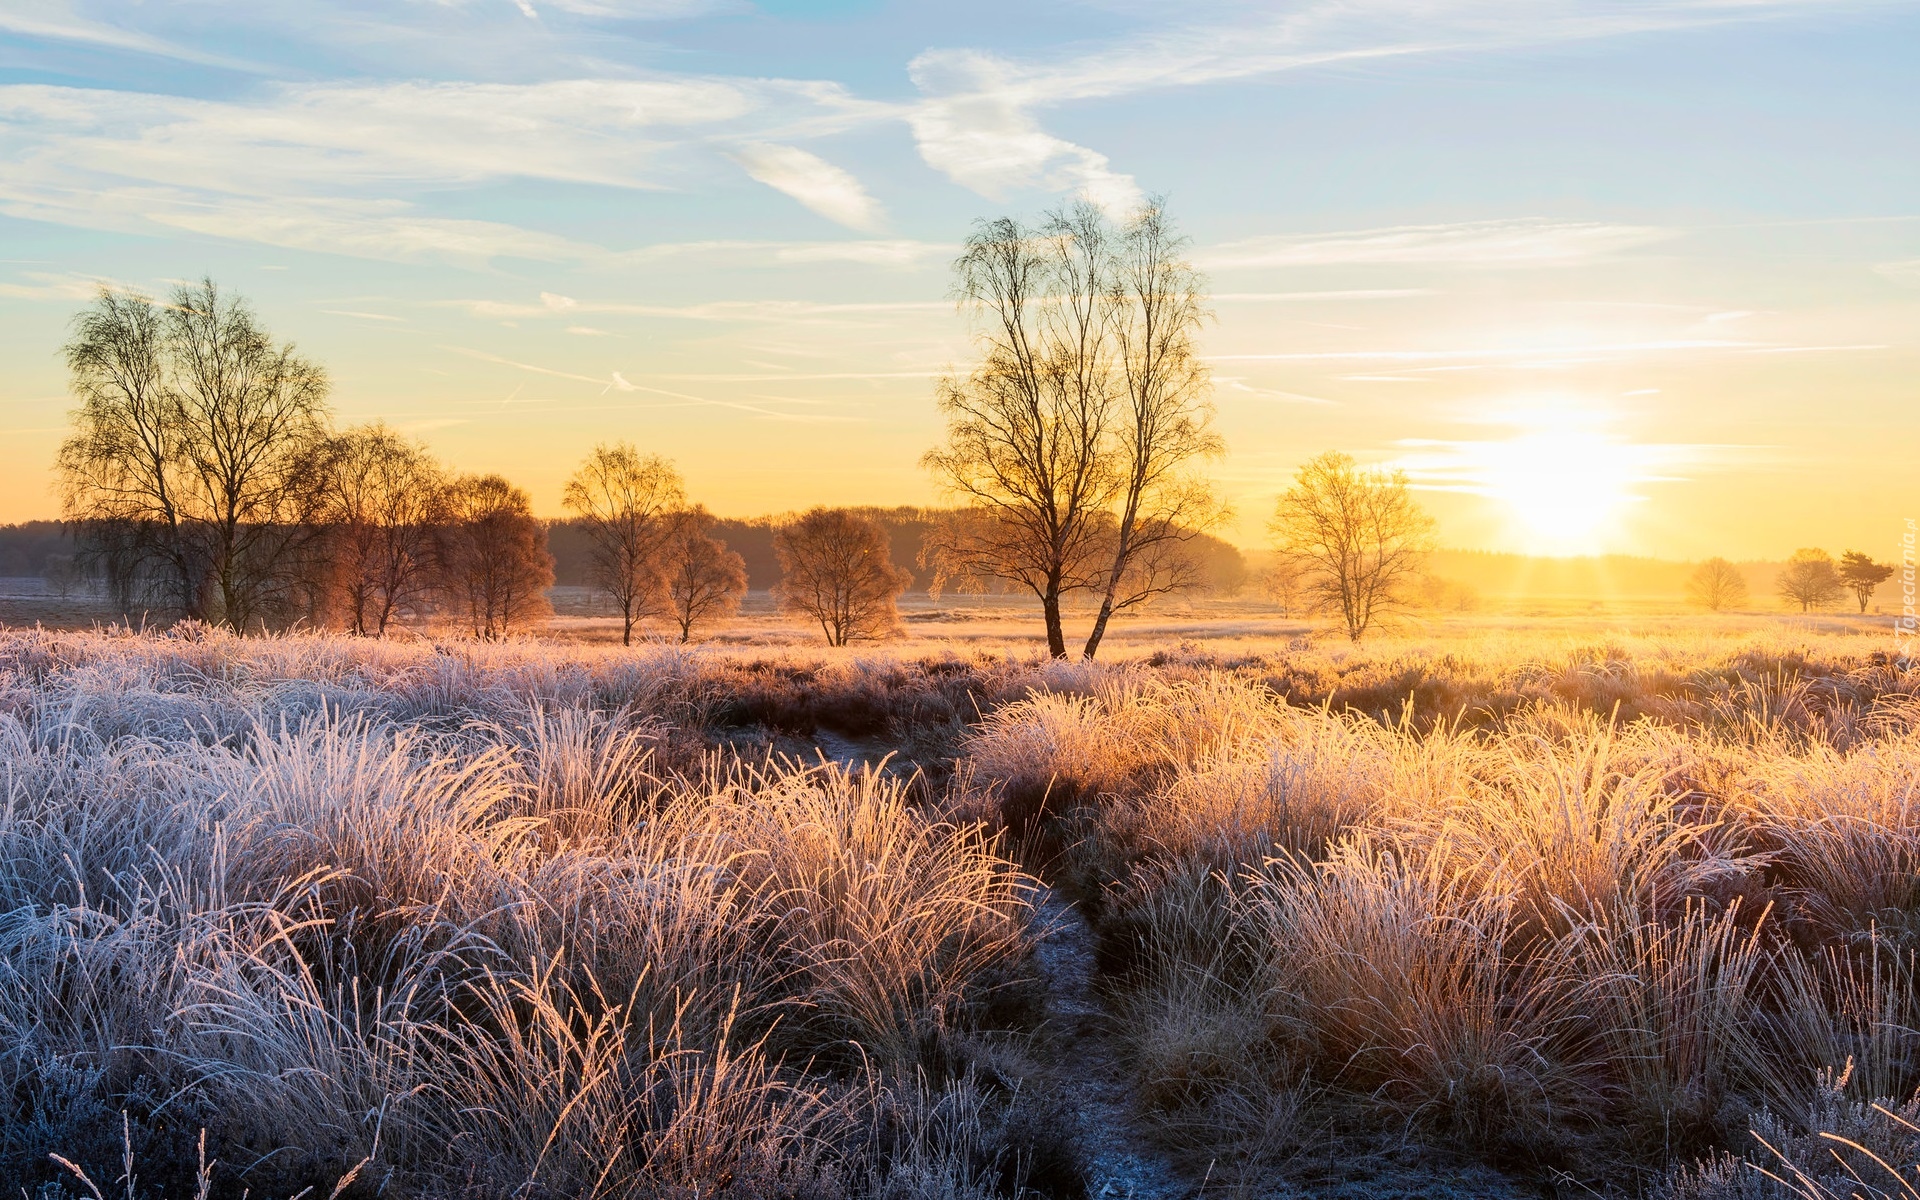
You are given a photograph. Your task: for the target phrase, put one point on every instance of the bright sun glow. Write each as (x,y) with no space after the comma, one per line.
(1565,489)
(1564,482)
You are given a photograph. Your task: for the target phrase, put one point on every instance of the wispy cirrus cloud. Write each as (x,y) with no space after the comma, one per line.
(1513,243)
(977,119)
(973,127)
(719,311)
(824,188)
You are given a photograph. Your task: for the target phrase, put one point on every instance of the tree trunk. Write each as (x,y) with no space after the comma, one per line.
(1056,636)
(1099,627)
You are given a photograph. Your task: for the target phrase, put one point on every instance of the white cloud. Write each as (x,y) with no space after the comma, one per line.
(973,126)
(896,252)
(1474,243)
(46,285)
(976,122)
(1901,272)
(55,20)
(814,182)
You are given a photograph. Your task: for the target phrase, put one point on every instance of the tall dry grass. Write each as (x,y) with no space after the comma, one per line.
(526,920)
(450,921)
(1577,943)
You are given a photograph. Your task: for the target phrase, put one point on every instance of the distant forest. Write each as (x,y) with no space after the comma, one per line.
(26,548)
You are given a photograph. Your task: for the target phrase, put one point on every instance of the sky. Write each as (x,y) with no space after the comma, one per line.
(1634,277)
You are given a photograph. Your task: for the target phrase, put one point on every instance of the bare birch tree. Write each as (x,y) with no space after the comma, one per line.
(1069,443)
(626,501)
(1167,417)
(1356,537)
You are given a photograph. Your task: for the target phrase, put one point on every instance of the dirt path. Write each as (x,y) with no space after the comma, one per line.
(1091,1074)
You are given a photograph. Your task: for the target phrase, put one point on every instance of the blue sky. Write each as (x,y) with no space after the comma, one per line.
(1677,240)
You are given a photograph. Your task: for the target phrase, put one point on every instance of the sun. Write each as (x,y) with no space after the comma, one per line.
(1565,490)
(1565,482)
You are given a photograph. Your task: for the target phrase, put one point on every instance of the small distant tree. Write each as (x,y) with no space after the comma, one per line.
(61,574)
(1447,595)
(384,500)
(626,501)
(1809,580)
(1356,536)
(836,568)
(493,558)
(1861,575)
(704,580)
(1285,584)
(1717,585)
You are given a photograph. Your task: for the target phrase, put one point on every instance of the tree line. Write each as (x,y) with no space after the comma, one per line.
(206,480)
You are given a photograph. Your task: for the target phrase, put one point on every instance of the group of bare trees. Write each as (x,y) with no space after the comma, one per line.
(205,480)
(653,555)
(1810,580)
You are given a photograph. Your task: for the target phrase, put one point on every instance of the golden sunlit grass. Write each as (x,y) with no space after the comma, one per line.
(1564,903)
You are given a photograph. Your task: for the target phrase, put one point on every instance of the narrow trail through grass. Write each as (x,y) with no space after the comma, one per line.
(1118,1161)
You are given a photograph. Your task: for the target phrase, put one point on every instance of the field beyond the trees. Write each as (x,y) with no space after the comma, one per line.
(1492,906)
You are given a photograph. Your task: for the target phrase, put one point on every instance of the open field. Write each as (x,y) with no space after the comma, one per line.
(1491,906)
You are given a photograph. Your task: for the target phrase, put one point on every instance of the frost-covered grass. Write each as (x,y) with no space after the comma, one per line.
(543,920)
(1568,944)
(447,920)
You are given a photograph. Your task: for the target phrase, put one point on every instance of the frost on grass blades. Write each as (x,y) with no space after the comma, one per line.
(526,920)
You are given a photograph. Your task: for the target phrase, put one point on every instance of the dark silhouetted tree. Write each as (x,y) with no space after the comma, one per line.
(1717,585)
(1071,443)
(835,568)
(1861,575)
(198,454)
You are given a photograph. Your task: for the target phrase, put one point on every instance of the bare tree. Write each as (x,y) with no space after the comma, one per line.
(119,470)
(384,498)
(704,579)
(1861,575)
(1285,583)
(1356,535)
(200,447)
(836,567)
(1166,416)
(1717,585)
(626,501)
(1809,580)
(492,556)
(1069,442)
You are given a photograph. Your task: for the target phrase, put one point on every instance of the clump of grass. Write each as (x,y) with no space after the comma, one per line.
(1565,941)
(488,944)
